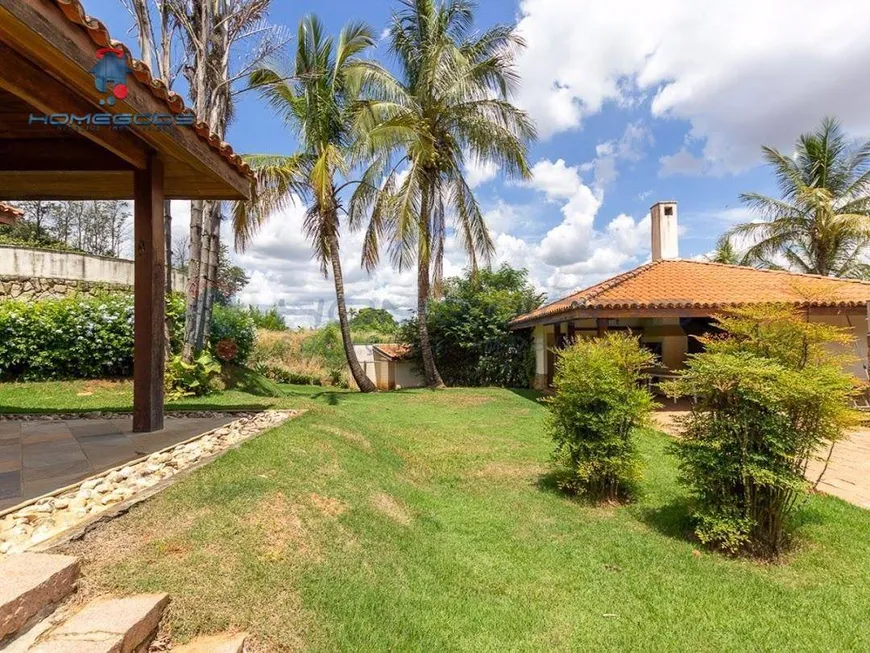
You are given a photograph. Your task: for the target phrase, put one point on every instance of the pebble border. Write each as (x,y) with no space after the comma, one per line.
(50,515)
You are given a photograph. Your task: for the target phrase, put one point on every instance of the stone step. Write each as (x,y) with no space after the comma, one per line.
(222,643)
(108,626)
(32,584)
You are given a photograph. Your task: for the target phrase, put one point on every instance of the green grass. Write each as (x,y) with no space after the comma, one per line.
(424,521)
(84,396)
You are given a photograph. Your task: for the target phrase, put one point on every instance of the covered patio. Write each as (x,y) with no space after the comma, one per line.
(70,129)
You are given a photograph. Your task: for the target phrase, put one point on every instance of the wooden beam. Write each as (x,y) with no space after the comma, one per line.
(60,155)
(149,308)
(48,96)
(39,29)
(557,335)
(601,325)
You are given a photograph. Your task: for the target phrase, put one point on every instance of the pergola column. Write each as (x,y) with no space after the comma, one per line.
(149,297)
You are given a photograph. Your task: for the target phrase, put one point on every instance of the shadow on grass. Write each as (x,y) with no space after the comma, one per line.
(672,519)
(528,393)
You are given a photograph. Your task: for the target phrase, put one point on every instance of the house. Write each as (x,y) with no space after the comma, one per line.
(668,300)
(9,214)
(389,366)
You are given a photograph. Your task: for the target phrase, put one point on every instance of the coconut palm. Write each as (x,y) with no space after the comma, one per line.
(725,252)
(315,98)
(820,224)
(451,101)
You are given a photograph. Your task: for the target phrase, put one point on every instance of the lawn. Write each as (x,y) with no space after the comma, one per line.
(424,521)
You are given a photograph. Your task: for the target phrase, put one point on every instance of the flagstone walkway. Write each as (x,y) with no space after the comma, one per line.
(37,457)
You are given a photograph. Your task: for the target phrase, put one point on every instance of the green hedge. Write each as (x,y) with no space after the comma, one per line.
(74,337)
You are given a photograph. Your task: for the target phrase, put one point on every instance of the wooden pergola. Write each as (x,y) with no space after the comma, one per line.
(63,137)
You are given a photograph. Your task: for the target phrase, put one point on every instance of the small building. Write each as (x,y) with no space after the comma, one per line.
(668,300)
(389,366)
(9,214)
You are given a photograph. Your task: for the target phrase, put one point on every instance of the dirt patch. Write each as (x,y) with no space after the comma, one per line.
(327,506)
(282,528)
(392,508)
(351,436)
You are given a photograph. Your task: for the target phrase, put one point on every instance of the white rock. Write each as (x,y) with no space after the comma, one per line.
(91,484)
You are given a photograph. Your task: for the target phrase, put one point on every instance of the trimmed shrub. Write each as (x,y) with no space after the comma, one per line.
(770,392)
(599,402)
(73,337)
(232,325)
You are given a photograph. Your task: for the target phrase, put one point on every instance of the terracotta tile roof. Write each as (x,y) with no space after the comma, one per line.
(99,34)
(9,214)
(394,351)
(701,285)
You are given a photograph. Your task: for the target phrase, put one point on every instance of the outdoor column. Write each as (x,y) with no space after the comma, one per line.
(601,323)
(150,270)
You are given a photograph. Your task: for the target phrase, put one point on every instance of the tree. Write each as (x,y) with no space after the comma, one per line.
(725,252)
(223,40)
(316,98)
(820,223)
(373,319)
(231,279)
(468,328)
(451,102)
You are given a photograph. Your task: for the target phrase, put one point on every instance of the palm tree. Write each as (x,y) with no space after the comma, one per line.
(450,102)
(820,223)
(725,252)
(315,98)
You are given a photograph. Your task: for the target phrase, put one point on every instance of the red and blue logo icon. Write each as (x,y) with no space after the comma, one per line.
(110,74)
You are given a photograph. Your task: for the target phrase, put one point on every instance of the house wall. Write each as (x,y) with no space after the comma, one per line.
(407,375)
(857,322)
(675,343)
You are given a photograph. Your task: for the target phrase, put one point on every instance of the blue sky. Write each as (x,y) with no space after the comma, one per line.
(635,101)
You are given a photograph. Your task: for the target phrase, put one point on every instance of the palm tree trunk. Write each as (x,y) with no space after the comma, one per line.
(363,382)
(433,378)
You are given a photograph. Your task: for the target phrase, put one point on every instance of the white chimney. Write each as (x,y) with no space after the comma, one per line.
(663,218)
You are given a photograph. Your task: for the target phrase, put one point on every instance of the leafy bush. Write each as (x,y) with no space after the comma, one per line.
(234,324)
(271,319)
(73,337)
(469,331)
(195,379)
(599,402)
(369,319)
(769,393)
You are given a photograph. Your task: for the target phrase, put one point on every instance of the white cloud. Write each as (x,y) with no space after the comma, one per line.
(742,73)
(479,172)
(557,180)
(681,162)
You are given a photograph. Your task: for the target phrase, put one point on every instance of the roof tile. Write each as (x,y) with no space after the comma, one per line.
(700,284)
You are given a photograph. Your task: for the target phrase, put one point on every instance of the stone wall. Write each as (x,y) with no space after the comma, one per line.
(30,273)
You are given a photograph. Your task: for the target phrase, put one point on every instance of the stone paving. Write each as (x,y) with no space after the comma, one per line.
(40,456)
(848,472)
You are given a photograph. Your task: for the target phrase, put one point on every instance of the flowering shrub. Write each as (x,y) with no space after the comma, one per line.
(227,350)
(232,323)
(73,337)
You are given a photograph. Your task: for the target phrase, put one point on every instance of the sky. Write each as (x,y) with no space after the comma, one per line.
(634,101)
